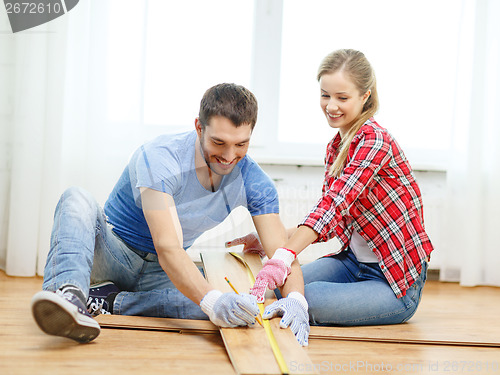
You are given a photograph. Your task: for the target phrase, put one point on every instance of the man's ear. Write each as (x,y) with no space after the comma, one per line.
(198,126)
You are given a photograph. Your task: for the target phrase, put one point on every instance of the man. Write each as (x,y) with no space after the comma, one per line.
(173,189)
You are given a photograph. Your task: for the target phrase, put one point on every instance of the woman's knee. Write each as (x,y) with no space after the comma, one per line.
(313,293)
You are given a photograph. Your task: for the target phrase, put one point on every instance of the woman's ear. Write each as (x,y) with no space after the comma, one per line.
(366,96)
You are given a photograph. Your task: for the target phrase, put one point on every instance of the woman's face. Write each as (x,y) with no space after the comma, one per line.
(341,102)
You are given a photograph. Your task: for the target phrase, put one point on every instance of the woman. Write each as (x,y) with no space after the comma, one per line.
(370,202)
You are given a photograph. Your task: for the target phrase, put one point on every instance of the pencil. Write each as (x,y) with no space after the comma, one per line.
(233,288)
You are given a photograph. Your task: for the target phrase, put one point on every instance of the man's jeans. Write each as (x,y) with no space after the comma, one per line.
(341,291)
(84,249)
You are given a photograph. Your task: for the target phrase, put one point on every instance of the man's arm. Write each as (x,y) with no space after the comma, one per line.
(271,231)
(163,222)
(223,309)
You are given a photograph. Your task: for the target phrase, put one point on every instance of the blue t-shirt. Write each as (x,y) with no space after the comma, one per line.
(166,164)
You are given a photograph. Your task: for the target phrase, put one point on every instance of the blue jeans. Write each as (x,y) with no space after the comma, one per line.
(84,250)
(344,292)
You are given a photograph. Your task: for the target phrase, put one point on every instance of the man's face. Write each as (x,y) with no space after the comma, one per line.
(223,144)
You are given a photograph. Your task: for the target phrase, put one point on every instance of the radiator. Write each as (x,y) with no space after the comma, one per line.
(299,189)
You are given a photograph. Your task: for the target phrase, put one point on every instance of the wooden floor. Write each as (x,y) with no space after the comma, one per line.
(24,349)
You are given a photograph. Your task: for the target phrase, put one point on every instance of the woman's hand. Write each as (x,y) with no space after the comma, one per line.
(251,244)
(293,310)
(273,273)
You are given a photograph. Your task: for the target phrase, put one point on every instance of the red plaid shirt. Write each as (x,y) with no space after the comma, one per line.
(377,195)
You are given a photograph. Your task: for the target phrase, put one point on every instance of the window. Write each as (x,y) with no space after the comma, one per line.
(413,47)
(173,51)
(163,55)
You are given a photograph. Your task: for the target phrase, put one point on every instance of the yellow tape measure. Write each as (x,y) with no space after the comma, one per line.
(267,326)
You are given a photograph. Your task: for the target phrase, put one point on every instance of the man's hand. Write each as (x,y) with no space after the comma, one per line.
(274,273)
(230,309)
(293,310)
(251,244)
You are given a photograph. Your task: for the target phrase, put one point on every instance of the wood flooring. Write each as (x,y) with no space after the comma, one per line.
(455,331)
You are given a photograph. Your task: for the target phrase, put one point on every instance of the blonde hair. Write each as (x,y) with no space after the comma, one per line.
(355,65)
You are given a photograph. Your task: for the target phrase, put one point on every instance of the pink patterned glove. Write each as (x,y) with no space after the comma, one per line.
(251,244)
(274,273)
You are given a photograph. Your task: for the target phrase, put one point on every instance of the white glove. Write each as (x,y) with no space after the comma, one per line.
(230,309)
(293,309)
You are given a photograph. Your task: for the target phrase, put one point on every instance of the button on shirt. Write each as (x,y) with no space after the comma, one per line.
(377,195)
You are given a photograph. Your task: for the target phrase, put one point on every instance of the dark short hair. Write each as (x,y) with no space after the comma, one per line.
(231,101)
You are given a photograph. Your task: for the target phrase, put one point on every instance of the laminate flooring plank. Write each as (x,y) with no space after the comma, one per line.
(448,315)
(156,324)
(413,332)
(249,348)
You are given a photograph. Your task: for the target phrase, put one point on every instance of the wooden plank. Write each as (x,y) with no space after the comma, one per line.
(419,331)
(156,324)
(448,315)
(248,348)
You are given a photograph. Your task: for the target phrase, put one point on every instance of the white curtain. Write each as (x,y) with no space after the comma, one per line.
(37,138)
(471,252)
(54,135)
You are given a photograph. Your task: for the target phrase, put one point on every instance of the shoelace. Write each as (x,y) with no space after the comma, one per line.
(95,306)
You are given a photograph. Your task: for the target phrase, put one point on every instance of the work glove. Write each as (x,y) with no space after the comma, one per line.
(273,273)
(251,244)
(293,310)
(230,309)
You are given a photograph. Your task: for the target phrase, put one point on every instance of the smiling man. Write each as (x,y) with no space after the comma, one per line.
(173,189)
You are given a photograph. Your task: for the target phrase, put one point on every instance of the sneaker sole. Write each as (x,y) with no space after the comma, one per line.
(101,284)
(58,317)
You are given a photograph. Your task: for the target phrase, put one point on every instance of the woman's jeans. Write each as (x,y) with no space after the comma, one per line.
(342,291)
(85,250)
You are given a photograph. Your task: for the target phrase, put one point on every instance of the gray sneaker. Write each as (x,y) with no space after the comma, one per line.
(63,314)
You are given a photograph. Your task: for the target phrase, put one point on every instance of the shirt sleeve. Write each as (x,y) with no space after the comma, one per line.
(261,193)
(157,168)
(369,152)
